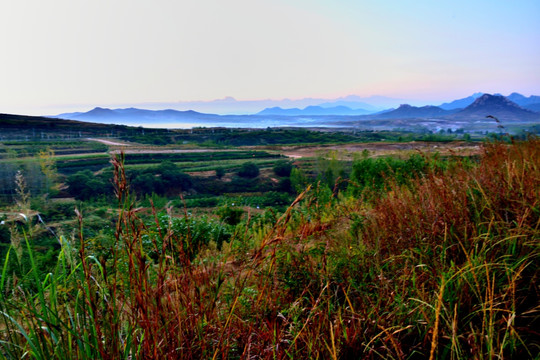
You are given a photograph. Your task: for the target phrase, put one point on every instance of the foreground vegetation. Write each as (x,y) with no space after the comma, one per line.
(419,258)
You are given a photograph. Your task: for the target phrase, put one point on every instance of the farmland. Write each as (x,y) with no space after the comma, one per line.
(394,247)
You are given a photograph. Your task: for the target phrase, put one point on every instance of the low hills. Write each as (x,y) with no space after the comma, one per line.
(32,127)
(406,111)
(133,116)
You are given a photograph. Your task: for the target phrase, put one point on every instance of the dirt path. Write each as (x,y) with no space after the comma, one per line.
(345,151)
(170,151)
(107,142)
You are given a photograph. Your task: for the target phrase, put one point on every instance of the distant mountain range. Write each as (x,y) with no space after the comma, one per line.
(476,105)
(515,116)
(343,107)
(460,113)
(230,105)
(406,111)
(134,116)
(524,101)
(460,103)
(315,110)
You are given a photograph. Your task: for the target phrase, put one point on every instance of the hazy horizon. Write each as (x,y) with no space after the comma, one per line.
(233,106)
(72,55)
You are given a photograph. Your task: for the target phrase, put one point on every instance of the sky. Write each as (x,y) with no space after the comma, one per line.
(67,55)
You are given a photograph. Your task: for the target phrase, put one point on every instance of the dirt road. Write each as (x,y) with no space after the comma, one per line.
(108,142)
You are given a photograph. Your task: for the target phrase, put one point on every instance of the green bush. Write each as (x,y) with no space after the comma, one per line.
(163,179)
(376,173)
(230,214)
(220,172)
(275,198)
(58,211)
(249,170)
(84,185)
(283,168)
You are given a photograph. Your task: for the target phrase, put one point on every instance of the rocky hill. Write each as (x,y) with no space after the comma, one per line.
(497,106)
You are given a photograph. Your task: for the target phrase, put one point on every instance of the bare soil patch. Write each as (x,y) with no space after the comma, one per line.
(459,148)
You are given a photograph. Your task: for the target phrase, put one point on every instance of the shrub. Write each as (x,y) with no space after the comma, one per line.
(145,183)
(283,168)
(172,176)
(378,173)
(274,198)
(58,210)
(231,215)
(165,178)
(220,172)
(249,170)
(84,185)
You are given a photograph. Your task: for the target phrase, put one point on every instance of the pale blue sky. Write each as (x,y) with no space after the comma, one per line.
(60,54)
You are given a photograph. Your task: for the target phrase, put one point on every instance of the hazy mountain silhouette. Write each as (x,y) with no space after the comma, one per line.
(351,104)
(99,112)
(405,116)
(134,115)
(498,106)
(407,111)
(515,97)
(533,107)
(523,101)
(461,103)
(276,110)
(314,111)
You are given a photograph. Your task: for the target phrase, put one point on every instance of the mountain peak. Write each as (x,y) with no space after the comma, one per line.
(498,106)
(493,100)
(99,110)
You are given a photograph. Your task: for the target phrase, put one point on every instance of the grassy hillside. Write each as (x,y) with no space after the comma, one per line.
(414,259)
(35,128)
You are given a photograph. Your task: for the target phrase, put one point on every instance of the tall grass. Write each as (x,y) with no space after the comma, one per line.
(445,266)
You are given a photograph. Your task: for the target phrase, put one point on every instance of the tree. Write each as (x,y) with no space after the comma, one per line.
(144,183)
(299,180)
(283,168)
(173,177)
(230,214)
(220,172)
(249,170)
(77,183)
(84,185)
(329,167)
(47,164)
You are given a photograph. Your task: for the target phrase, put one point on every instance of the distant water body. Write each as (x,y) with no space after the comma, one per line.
(241,122)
